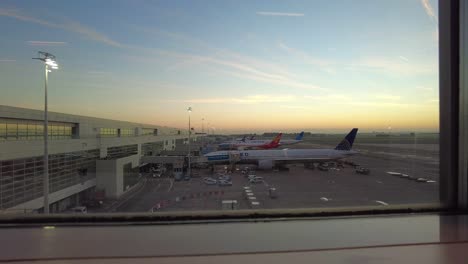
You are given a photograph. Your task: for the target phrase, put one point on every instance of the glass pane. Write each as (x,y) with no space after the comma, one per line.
(3,131)
(31,131)
(12,131)
(22,131)
(221,105)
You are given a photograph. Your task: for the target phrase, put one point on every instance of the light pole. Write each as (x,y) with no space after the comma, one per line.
(189,110)
(203,131)
(50,63)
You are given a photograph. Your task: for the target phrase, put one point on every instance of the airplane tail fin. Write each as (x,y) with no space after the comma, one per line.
(276,140)
(300,136)
(252,137)
(243,139)
(347,142)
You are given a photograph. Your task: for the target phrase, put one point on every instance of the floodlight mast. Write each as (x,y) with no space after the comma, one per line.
(50,63)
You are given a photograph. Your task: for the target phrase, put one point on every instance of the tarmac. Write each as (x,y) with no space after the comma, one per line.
(302,187)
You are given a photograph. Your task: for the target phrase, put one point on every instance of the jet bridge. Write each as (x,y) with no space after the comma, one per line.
(176,162)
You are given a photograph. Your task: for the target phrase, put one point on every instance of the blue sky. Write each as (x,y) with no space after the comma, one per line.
(243,66)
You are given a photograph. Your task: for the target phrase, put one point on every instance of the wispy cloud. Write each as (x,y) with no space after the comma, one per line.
(429,10)
(298,107)
(380,104)
(305,57)
(46,43)
(98,72)
(252,99)
(423,88)
(217,53)
(71,26)
(403,58)
(286,83)
(342,99)
(227,62)
(435,35)
(432,15)
(392,65)
(266,13)
(328,97)
(388,97)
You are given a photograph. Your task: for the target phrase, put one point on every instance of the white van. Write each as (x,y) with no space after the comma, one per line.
(79,210)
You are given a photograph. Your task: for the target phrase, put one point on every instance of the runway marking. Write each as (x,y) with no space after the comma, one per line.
(325,199)
(170,187)
(379,182)
(119,203)
(382,203)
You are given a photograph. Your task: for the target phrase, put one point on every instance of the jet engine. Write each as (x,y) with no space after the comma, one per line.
(265,164)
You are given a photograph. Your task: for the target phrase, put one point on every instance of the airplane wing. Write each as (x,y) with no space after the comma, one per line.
(286,160)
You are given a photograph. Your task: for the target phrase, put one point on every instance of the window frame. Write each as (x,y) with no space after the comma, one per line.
(452,182)
(453,145)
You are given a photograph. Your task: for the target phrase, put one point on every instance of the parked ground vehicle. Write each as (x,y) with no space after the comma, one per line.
(210,181)
(362,170)
(79,210)
(224,183)
(323,167)
(256,180)
(225,178)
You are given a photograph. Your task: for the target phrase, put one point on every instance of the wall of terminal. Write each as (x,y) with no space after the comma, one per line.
(77,144)
(111,174)
(169,144)
(21,180)
(23,129)
(89,126)
(54,197)
(153,148)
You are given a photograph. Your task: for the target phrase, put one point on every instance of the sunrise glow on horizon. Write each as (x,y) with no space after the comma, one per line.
(249,67)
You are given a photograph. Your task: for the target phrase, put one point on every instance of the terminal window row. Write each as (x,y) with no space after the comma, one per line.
(21,179)
(121,151)
(20,129)
(149,131)
(125,132)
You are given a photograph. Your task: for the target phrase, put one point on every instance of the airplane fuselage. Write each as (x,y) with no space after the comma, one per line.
(299,155)
(289,142)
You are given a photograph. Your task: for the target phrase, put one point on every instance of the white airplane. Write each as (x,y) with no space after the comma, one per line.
(298,139)
(252,144)
(267,159)
(244,138)
(245,143)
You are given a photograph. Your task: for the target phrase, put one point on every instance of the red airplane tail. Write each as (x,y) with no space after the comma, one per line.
(275,142)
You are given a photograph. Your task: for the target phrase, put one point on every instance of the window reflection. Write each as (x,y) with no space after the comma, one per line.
(13,129)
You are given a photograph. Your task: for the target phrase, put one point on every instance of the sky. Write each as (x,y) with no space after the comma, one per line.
(243,66)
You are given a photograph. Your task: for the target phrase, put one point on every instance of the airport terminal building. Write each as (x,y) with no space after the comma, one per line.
(86,154)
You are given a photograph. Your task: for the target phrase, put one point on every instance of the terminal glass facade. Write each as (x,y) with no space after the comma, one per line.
(127,132)
(149,131)
(18,129)
(21,179)
(151,148)
(108,132)
(121,151)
